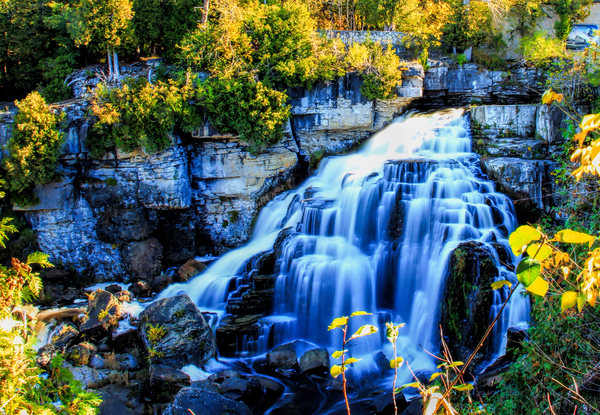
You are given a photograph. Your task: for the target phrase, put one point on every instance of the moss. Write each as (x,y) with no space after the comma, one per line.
(316,157)
(234,215)
(111,181)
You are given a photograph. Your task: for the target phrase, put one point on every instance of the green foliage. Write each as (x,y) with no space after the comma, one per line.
(561,352)
(469,25)
(569,12)
(491,54)
(246,107)
(541,49)
(378,66)
(524,15)
(141,115)
(34,149)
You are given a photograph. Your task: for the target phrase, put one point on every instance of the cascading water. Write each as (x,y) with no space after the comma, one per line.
(373,231)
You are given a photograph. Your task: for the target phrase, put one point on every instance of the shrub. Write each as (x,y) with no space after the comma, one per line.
(34,148)
(540,49)
(247,107)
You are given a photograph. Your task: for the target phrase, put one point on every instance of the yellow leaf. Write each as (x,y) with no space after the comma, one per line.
(572,237)
(336,370)
(394,363)
(568,300)
(337,354)
(565,271)
(435,375)
(589,122)
(455,364)
(551,96)
(521,237)
(364,331)
(465,387)
(538,287)
(499,284)
(360,313)
(581,302)
(351,360)
(539,252)
(338,322)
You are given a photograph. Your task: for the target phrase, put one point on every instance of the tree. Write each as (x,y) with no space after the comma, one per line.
(34,148)
(103,23)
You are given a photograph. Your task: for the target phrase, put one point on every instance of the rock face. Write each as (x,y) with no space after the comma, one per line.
(174,333)
(204,402)
(468,297)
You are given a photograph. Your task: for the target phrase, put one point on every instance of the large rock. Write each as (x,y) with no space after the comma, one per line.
(528,182)
(174,333)
(143,259)
(90,378)
(103,313)
(189,270)
(118,226)
(468,298)
(165,382)
(315,361)
(199,401)
(60,339)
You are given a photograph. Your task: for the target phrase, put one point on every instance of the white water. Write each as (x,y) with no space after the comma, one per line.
(344,257)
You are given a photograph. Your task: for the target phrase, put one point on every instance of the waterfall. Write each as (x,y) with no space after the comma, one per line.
(373,231)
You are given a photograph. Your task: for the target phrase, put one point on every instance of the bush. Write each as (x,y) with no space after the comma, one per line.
(141,115)
(248,108)
(378,66)
(541,49)
(34,148)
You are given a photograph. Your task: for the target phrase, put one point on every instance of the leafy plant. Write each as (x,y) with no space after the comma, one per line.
(540,49)
(461,59)
(392,335)
(34,148)
(342,323)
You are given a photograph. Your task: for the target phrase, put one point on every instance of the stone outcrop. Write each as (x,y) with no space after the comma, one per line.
(174,333)
(200,401)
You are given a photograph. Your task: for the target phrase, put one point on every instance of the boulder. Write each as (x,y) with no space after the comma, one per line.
(141,289)
(127,362)
(173,332)
(165,382)
(189,270)
(515,337)
(118,226)
(383,404)
(143,259)
(60,339)
(97,362)
(315,361)
(81,353)
(90,378)
(103,313)
(116,401)
(160,282)
(283,359)
(199,401)
(382,362)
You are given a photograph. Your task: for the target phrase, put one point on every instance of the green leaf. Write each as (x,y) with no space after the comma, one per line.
(39,258)
(364,331)
(360,313)
(394,363)
(538,287)
(539,252)
(336,370)
(338,353)
(499,284)
(338,322)
(521,237)
(464,387)
(351,360)
(572,237)
(435,375)
(528,270)
(568,300)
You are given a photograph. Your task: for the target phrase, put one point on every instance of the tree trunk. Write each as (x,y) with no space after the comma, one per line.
(206,9)
(116,64)
(110,67)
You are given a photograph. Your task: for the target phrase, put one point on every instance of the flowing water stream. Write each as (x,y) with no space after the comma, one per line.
(374,231)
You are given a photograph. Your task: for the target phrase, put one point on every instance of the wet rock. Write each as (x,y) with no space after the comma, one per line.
(206,385)
(204,402)
(123,296)
(384,404)
(282,359)
(223,375)
(116,401)
(492,374)
(113,288)
(189,270)
(123,337)
(97,362)
(382,362)
(141,289)
(103,313)
(233,329)
(165,382)
(176,231)
(315,361)
(239,389)
(90,378)
(143,259)
(468,298)
(81,353)
(60,339)
(415,407)
(515,337)
(127,362)
(174,333)
(256,300)
(159,283)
